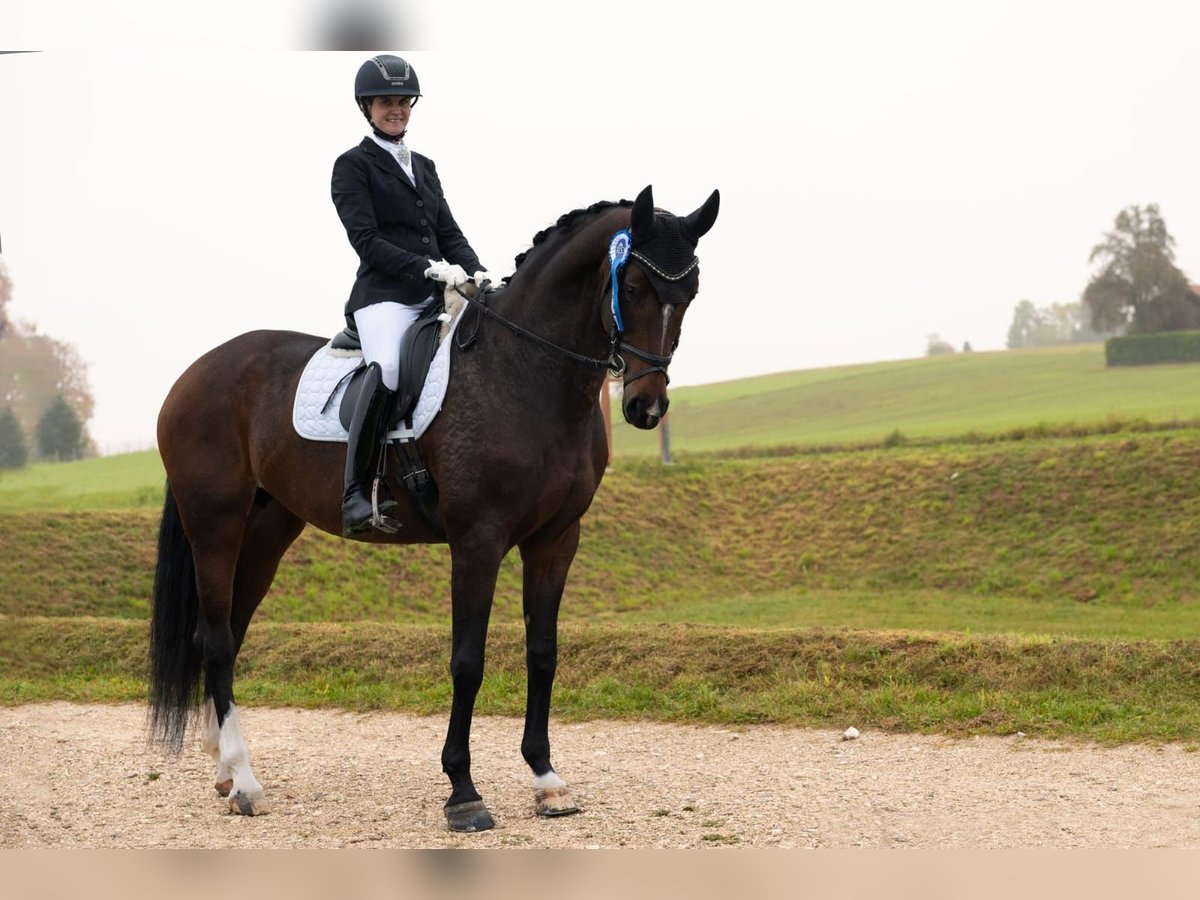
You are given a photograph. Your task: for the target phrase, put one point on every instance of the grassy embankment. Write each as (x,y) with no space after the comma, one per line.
(1045,585)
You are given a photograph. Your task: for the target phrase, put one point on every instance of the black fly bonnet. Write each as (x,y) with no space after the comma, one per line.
(667,257)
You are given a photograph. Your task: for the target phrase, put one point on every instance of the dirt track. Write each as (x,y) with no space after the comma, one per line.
(81,776)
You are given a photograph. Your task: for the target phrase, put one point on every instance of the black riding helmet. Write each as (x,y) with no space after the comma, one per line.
(384,76)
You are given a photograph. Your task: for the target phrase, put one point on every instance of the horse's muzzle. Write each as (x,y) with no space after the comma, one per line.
(645,412)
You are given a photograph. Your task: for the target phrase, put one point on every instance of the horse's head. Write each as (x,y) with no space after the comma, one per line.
(658,280)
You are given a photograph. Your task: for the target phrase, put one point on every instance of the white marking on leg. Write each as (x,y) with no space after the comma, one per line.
(551,796)
(210,740)
(235,757)
(547,782)
(662,346)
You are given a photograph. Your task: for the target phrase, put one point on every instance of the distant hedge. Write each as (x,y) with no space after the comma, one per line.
(1151,349)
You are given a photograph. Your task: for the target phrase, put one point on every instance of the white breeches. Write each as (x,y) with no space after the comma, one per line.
(380,327)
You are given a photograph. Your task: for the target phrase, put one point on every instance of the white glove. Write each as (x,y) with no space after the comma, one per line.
(481,276)
(447,273)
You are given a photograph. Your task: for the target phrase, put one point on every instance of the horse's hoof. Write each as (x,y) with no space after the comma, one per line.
(469,817)
(552,802)
(224,787)
(244,804)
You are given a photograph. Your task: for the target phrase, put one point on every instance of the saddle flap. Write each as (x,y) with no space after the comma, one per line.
(418,346)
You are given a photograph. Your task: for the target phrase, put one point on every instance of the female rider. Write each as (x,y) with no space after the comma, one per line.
(396,217)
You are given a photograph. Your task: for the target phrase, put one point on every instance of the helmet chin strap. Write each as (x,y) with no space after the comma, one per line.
(384,136)
(364,104)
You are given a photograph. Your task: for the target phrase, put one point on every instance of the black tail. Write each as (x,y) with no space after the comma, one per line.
(174,658)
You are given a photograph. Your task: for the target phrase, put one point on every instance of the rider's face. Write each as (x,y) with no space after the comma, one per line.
(390,114)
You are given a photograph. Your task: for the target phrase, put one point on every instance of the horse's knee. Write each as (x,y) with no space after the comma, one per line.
(541,658)
(466,671)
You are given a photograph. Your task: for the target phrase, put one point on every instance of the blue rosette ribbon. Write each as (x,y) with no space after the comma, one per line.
(618,252)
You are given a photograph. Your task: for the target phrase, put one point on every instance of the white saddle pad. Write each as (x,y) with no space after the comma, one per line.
(319,394)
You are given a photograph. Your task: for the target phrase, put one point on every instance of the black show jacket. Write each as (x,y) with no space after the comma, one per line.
(395,228)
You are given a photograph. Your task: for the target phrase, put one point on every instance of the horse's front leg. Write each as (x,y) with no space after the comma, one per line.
(545,574)
(474,568)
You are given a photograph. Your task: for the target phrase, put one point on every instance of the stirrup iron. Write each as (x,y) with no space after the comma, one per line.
(379,521)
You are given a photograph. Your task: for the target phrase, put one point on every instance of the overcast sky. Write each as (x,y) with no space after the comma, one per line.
(887,170)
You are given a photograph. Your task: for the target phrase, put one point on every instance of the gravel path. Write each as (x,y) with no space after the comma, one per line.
(81,776)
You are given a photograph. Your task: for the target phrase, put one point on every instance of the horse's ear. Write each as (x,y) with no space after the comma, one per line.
(641,222)
(697,224)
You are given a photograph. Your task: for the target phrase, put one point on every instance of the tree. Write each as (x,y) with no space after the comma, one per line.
(34,368)
(1048,326)
(60,432)
(1024,323)
(1139,286)
(13,452)
(935,346)
(5,296)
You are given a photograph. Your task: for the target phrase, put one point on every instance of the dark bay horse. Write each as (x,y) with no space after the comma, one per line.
(518,451)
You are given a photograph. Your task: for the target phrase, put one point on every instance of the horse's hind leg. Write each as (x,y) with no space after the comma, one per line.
(270,530)
(545,565)
(216,546)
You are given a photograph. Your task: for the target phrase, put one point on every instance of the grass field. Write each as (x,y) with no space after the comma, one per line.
(128,481)
(1046,580)
(984,393)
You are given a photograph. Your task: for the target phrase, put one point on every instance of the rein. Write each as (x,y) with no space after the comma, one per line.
(615,363)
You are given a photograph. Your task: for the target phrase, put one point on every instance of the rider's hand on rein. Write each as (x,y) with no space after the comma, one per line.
(449,274)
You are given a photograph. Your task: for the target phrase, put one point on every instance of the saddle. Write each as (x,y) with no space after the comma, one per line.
(418,347)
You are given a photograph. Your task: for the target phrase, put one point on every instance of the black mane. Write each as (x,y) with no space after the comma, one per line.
(566,220)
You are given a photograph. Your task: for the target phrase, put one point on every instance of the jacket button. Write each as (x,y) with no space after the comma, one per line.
(424,240)
(420,203)
(424,222)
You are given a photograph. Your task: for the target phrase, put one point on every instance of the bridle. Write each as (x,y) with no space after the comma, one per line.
(657,363)
(615,362)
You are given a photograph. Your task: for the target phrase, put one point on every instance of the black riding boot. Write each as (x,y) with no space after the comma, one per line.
(372,406)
